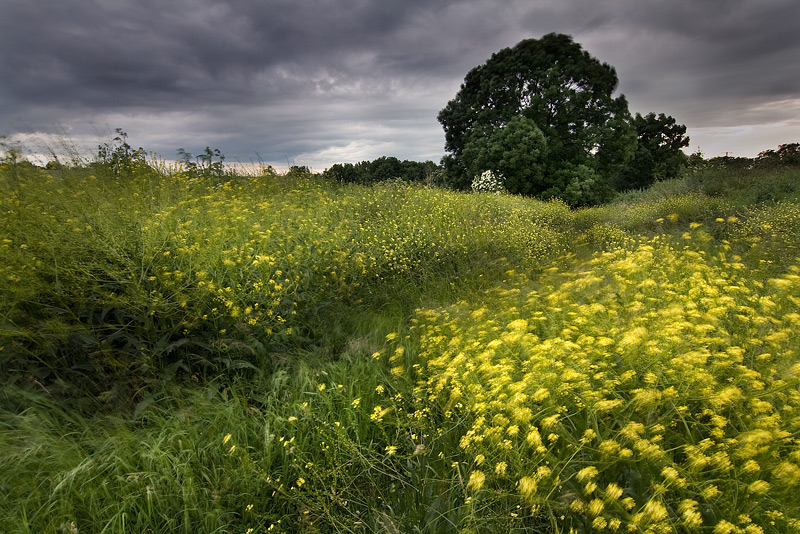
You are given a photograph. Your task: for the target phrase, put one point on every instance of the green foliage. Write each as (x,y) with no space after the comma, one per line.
(786,155)
(563,91)
(118,157)
(382,169)
(516,151)
(658,155)
(288,354)
(209,164)
(741,179)
(489,182)
(111,282)
(299,171)
(578,186)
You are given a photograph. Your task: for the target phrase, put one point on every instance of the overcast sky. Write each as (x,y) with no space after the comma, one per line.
(315,82)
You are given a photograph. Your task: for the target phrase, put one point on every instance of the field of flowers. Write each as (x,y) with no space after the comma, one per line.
(650,389)
(281,354)
(158,272)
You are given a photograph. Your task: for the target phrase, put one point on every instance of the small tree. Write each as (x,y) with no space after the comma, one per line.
(516,151)
(659,154)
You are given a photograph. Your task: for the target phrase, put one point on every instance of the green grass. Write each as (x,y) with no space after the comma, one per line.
(281,354)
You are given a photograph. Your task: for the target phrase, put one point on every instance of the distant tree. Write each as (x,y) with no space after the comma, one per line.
(345,173)
(299,171)
(578,185)
(564,93)
(731,162)
(787,155)
(695,159)
(380,170)
(418,171)
(659,154)
(384,168)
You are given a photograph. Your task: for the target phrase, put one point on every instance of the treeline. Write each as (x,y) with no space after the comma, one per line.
(383,169)
(786,155)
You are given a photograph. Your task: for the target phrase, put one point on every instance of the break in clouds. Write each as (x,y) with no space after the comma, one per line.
(315,83)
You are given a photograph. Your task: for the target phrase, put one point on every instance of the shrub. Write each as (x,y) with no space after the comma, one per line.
(488,182)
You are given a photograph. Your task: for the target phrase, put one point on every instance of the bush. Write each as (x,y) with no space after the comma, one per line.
(489,182)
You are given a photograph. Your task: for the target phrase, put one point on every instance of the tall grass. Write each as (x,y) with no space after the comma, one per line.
(281,354)
(156,273)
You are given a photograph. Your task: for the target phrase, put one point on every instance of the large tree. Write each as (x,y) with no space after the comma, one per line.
(562,91)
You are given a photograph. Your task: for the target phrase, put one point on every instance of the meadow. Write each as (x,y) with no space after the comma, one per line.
(278,353)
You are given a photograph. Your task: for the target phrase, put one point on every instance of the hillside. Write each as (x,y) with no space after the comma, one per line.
(280,353)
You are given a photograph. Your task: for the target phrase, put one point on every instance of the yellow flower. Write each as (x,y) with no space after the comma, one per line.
(787,474)
(724,527)
(599,523)
(378,413)
(751,466)
(670,473)
(527,486)
(596,507)
(656,510)
(587,472)
(534,439)
(691,516)
(710,492)
(607,405)
(759,487)
(550,421)
(613,492)
(476,480)
(500,468)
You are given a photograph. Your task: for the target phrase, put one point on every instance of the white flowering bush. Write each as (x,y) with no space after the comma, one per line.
(489,182)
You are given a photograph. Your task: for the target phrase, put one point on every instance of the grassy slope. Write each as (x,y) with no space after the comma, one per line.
(289,355)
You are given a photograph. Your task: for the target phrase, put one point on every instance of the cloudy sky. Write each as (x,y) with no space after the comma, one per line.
(315,82)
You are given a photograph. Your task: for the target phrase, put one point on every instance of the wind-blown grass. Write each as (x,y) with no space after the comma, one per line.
(283,354)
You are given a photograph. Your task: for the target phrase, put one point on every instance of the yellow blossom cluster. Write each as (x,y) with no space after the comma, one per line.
(610,392)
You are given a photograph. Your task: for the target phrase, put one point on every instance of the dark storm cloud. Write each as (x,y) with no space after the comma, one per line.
(716,61)
(159,53)
(335,80)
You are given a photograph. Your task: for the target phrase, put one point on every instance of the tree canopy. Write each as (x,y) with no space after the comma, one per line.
(379,170)
(543,114)
(658,153)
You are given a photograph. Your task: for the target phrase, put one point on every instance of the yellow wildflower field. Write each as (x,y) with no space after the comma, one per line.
(651,388)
